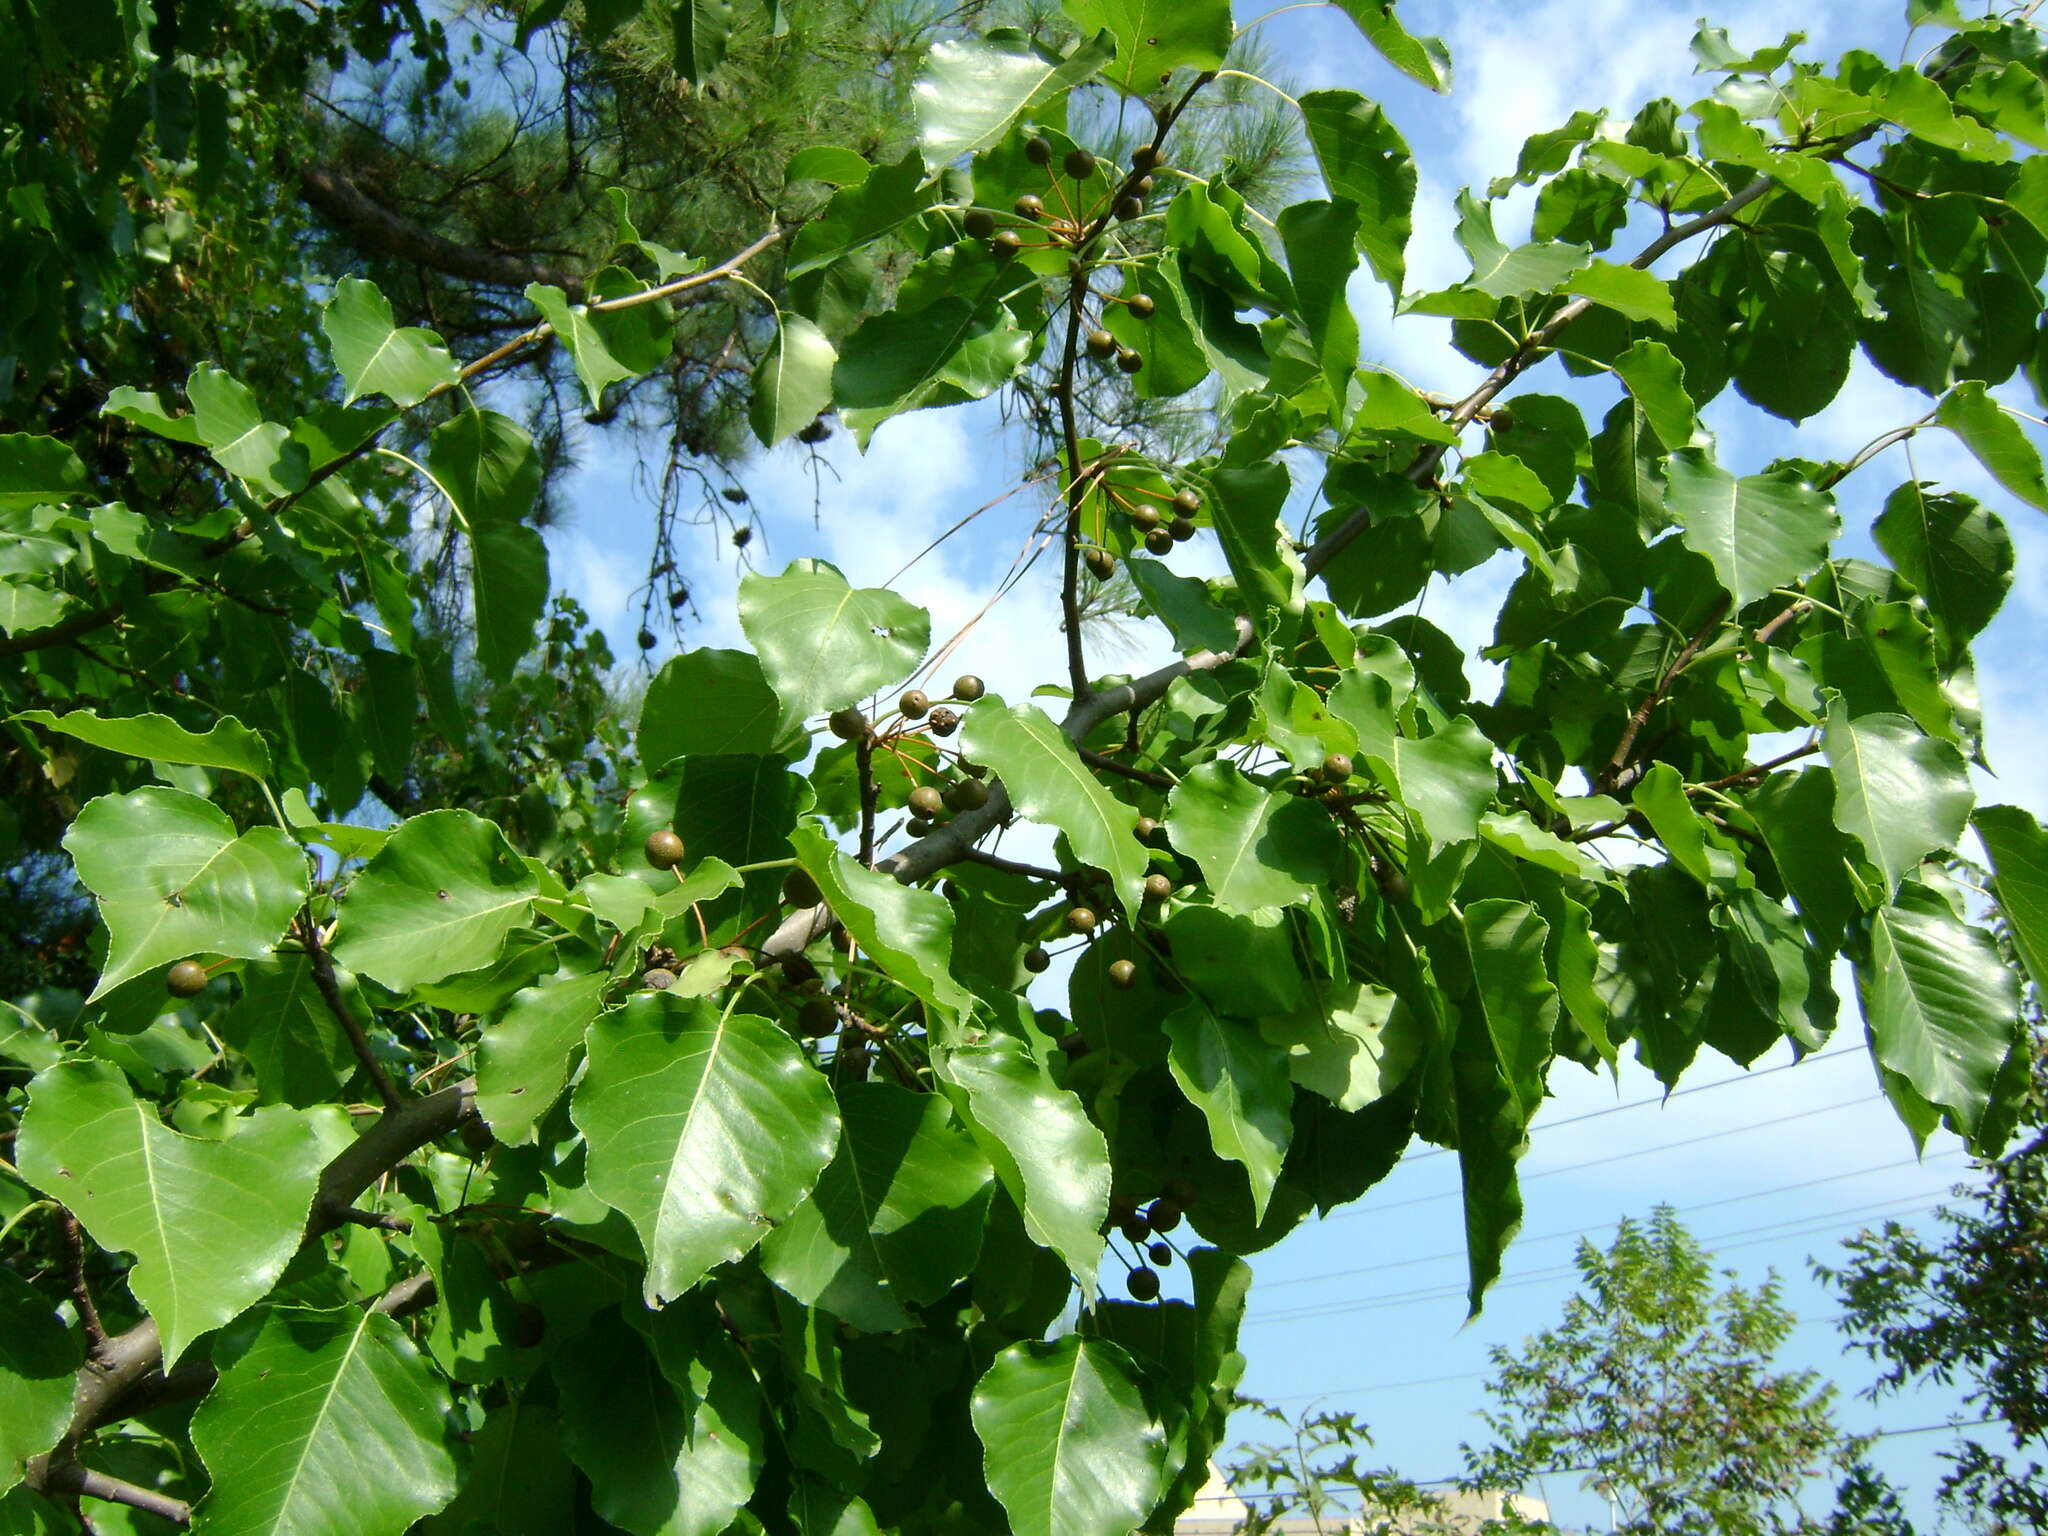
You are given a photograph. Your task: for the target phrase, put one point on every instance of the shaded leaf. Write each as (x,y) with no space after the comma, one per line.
(437,899)
(1257,847)
(1242,1085)
(376,355)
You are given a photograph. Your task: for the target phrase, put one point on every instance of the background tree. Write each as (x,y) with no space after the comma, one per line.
(672,1137)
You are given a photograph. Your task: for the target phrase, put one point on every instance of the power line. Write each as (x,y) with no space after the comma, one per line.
(1549,1237)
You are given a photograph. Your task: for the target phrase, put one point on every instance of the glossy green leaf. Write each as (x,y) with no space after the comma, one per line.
(1445,781)
(1071,1448)
(1943,1007)
(523,1060)
(519,1481)
(376,355)
(325,1421)
(704,1131)
(39,1362)
(959,347)
(174,880)
(1257,847)
(282,1026)
(1318,238)
(133,1183)
(1515,992)
(861,212)
(1048,783)
(486,466)
(793,383)
(908,930)
(1184,605)
(708,703)
(1038,1137)
(2019,862)
(1155,36)
(1245,506)
(1241,1083)
(1502,271)
(823,644)
(1796,814)
(1629,291)
(1365,161)
(1957,554)
(35,470)
(576,328)
(1660,796)
(1761,532)
(439,898)
(230,423)
(1899,792)
(1391,406)
(895,1220)
(974,88)
(226,744)
(1422,59)
(1353,1043)
(1656,378)
(1997,440)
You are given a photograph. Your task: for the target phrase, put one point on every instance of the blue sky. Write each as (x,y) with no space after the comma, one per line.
(1365,1311)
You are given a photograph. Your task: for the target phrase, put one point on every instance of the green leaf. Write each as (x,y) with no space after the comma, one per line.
(1257,847)
(2019,862)
(1353,1043)
(1660,796)
(136,1186)
(1245,505)
(1154,37)
(1997,441)
(1901,793)
(1366,162)
(704,1131)
(519,1482)
(896,1218)
(1628,291)
(1796,814)
(959,347)
(227,420)
(1657,380)
(1048,783)
(1039,1139)
(375,354)
(173,880)
(670,1436)
(1505,272)
(823,644)
(708,704)
(1242,1084)
(39,1362)
(1943,1007)
(699,29)
(523,1059)
(437,899)
(228,744)
(326,1421)
(1957,554)
(1445,781)
(1184,605)
(1515,992)
(862,211)
(1318,238)
(793,383)
(487,468)
(1072,1450)
(1422,59)
(282,1025)
(35,470)
(1761,532)
(576,328)
(907,930)
(1391,406)
(974,89)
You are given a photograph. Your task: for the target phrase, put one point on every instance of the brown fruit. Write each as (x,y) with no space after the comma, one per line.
(1187,501)
(1145,157)
(1074,1046)
(1393,881)
(1158,887)
(1079,165)
(658,979)
(967,688)
(1143,186)
(915,704)
(529,1325)
(979,223)
(1134,1228)
(1123,974)
(1160,1254)
(1141,305)
(1159,541)
(1336,768)
(1143,1284)
(1101,345)
(1179,1191)
(1128,208)
(664,849)
(944,721)
(1181,529)
(968,795)
(928,802)
(1080,920)
(1029,206)
(1164,1215)
(1007,244)
(817,432)
(817,1018)
(847,724)
(186,979)
(1038,151)
(1146,829)
(1036,960)
(476,1137)
(917,826)
(1100,562)
(1145,517)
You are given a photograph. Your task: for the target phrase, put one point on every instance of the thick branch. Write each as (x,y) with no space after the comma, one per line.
(1077,488)
(361,217)
(83,1481)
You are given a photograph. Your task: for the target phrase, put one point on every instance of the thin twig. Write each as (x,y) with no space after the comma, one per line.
(864,764)
(330,991)
(1112,765)
(1749,775)
(72,1478)
(1029,871)
(1611,774)
(81,1293)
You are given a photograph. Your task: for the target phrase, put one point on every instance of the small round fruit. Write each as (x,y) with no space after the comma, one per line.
(1036,960)
(917,826)
(1038,151)
(944,722)
(1074,1046)
(1079,164)
(1337,768)
(1029,206)
(1080,920)
(664,849)
(967,688)
(658,979)
(1146,829)
(186,979)
(1393,880)
(1143,186)
(1145,517)
(1181,529)
(915,704)
(816,432)
(1134,1228)
(1145,157)
(742,536)
(1159,541)
(529,1325)
(848,724)
(1101,345)
(928,802)
(818,1017)
(647,640)
(1160,1254)
(1158,887)
(1187,501)
(1123,974)
(1141,305)
(1129,208)
(1164,1215)
(969,795)
(1007,244)
(1130,361)
(979,223)
(1100,562)
(800,890)
(1143,1284)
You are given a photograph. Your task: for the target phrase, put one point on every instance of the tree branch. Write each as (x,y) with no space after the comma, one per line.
(330,992)
(1126,770)
(1611,774)
(1077,488)
(84,1482)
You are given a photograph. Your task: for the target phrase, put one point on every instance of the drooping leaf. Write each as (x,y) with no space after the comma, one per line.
(174,880)
(1997,440)
(576,328)
(1657,380)
(1761,532)
(895,1219)
(1515,992)
(1242,1085)
(793,383)
(375,354)
(1957,554)
(1898,791)
(1366,162)
(700,29)
(974,89)
(1155,36)
(708,703)
(2019,863)
(134,1183)
(325,1421)
(1245,506)
(1071,1448)
(1257,847)
(39,1362)
(908,931)
(1422,59)
(704,1131)
(226,744)
(823,644)
(437,899)
(1660,796)
(523,1060)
